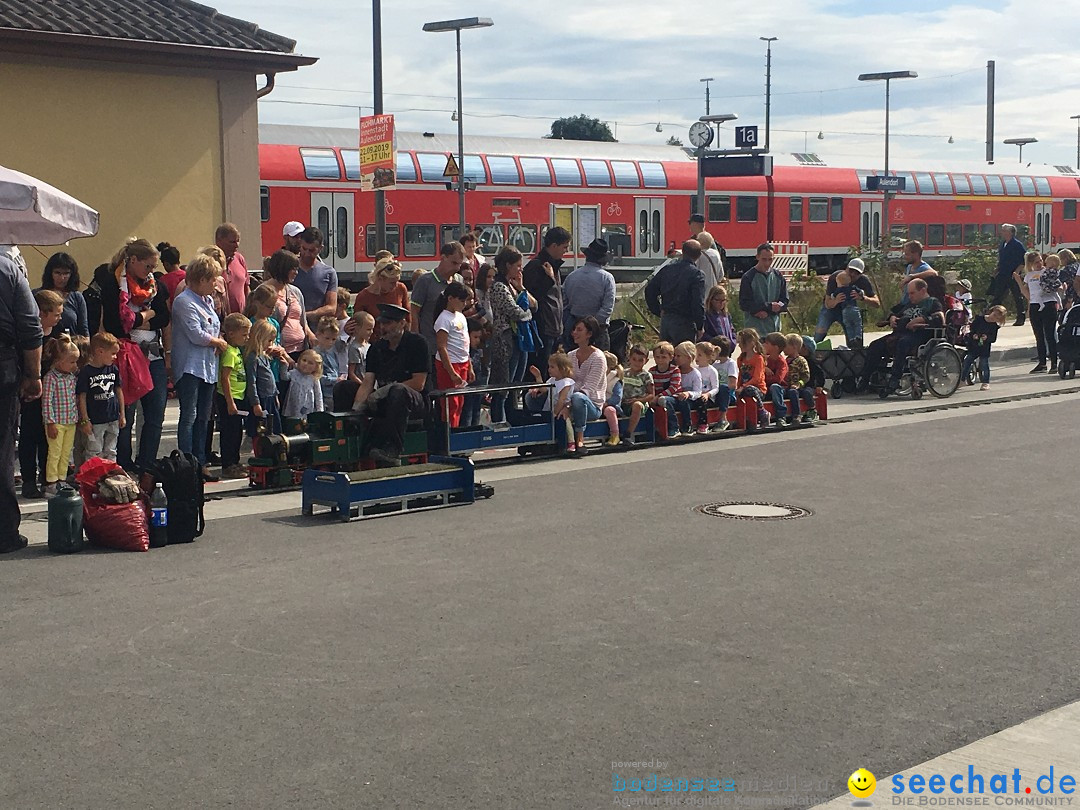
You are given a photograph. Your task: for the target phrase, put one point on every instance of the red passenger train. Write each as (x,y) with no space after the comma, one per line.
(639,198)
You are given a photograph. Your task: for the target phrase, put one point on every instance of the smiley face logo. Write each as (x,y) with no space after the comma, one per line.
(862,783)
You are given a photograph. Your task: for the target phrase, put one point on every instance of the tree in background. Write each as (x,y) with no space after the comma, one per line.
(673,141)
(581,128)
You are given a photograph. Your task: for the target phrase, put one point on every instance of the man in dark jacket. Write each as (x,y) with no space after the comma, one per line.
(542,280)
(1010,259)
(677,294)
(20,379)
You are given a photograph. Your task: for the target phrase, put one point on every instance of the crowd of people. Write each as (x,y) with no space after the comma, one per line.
(86,371)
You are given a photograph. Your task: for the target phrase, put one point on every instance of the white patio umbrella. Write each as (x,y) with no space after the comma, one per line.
(35,213)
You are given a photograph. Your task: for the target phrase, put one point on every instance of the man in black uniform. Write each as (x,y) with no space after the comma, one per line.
(392,389)
(20,378)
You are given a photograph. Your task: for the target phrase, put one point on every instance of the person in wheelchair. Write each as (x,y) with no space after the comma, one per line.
(913,324)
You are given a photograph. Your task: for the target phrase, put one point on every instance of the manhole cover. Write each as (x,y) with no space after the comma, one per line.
(754,510)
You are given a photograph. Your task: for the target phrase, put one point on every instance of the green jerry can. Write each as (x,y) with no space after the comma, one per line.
(65,521)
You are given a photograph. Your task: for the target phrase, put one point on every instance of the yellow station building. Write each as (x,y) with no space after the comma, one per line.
(145,110)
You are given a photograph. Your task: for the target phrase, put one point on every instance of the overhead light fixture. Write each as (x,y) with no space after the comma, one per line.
(951,139)
(658,127)
(453,115)
(820,135)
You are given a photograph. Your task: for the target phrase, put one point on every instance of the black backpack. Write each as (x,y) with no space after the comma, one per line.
(181,477)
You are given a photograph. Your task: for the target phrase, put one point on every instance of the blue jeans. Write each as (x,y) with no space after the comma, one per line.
(779,394)
(519,364)
(983,359)
(849,317)
(196,400)
(153,416)
(582,409)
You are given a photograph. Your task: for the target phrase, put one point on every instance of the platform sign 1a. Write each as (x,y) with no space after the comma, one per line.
(746,137)
(378,158)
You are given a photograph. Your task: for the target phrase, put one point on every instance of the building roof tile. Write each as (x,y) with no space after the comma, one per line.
(179,22)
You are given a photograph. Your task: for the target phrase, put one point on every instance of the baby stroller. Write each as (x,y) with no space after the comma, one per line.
(1068,340)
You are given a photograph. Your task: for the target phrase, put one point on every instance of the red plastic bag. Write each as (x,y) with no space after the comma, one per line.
(134,372)
(121,526)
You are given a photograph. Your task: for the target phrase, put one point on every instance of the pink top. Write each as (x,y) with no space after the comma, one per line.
(290,314)
(590,377)
(236,283)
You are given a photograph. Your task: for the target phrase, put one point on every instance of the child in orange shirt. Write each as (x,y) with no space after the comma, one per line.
(752,372)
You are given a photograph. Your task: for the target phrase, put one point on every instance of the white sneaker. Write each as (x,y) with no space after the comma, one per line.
(984,387)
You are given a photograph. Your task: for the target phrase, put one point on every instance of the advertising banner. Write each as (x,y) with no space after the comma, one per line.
(378,157)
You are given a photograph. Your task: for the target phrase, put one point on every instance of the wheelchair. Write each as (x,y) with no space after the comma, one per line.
(934,366)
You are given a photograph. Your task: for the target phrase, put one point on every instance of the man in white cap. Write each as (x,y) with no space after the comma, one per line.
(843,292)
(291,233)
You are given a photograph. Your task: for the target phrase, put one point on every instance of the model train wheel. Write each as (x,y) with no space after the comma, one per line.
(837,389)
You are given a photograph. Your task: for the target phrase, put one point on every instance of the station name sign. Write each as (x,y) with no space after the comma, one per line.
(876,182)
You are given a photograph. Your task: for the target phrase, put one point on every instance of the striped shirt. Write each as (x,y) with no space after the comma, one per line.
(590,377)
(666,383)
(59,405)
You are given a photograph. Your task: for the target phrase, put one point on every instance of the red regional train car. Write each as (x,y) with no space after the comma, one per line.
(639,198)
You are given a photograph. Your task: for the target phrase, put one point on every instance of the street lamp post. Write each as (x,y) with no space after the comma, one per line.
(1021,142)
(708,119)
(457,26)
(886,237)
(1076,118)
(768,85)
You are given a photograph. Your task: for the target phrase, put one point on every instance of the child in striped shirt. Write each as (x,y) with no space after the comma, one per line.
(667,382)
(59,408)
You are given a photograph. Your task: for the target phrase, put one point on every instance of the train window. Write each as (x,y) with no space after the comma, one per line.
(952,234)
(536,171)
(432,165)
(935,234)
(989,231)
(406,171)
(1027,186)
(944,184)
(923,182)
(393,239)
(862,174)
(818,210)
(961,183)
(474,170)
(491,238)
(420,240)
(596,173)
(320,164)
(1070,210)
(836,209)
(449,233)
(719,209)
(1022,232)
(264,203)
(625,174)
(653,174)
(506,202)
(523,237)
(978,184)
(504,172)
(567,172)
(1011,186)
(746,209)
(351,159)
(971,234)
(993,181)
(1042,185)
(795,209)
(917,233)
(909,182)
(899,234)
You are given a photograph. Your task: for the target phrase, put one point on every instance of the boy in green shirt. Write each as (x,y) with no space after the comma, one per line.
(231,391)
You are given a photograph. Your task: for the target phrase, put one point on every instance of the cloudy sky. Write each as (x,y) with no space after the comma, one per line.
(635,63)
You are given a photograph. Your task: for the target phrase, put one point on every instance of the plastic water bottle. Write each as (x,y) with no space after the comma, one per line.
(159,517)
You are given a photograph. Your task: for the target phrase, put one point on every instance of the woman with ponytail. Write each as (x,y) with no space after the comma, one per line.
(135,308)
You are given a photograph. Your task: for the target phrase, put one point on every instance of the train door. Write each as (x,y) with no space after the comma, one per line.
(870,223)
(583,223)
(332,213)
(1043,232)
(649,223)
